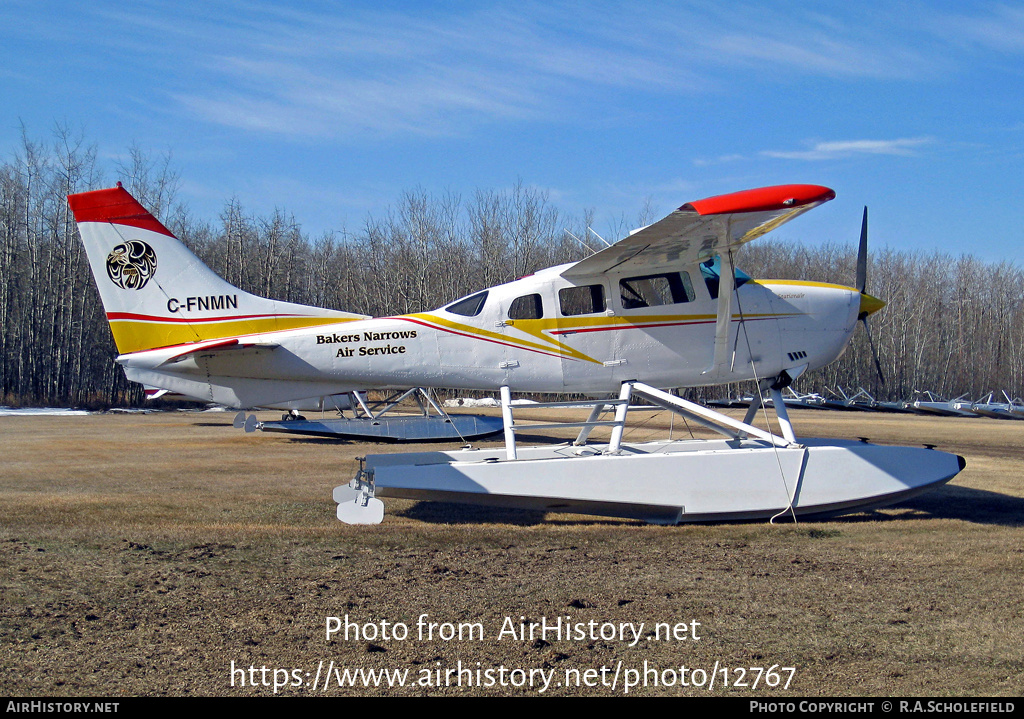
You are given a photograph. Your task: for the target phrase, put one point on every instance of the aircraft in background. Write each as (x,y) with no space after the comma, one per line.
(662,308)
(383,419)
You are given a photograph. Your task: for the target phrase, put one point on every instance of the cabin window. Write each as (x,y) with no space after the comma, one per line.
(584,300)
(710,271)
(470,306)
(669,288)
(527,307)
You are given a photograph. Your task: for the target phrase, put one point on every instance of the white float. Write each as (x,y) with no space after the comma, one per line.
(751,474)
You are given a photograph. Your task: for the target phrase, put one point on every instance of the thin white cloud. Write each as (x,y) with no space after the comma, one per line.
(999,28)
(721,159)
(823,56)
(338,71)
(848,148)
(779,41)
(399,74)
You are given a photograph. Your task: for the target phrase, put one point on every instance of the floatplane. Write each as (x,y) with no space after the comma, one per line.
(662,308)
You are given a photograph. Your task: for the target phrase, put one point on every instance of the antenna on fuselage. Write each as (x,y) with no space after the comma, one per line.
(606,242)
(590,249)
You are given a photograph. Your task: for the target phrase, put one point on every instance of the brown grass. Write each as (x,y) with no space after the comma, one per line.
(142,554)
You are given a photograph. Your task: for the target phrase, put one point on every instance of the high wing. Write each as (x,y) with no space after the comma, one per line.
(700,230)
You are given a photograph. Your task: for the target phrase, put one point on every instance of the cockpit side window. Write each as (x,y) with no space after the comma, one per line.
(527,307)
(585,300)
(669,288)
(710,271)
(469,306)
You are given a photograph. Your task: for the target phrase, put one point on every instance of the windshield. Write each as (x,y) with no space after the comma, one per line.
(711,270)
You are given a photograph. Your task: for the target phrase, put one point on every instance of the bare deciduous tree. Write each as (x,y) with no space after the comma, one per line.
(953,325)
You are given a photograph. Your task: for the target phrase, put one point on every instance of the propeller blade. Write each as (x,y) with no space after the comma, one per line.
(862,255)
(874,352)
(868,304)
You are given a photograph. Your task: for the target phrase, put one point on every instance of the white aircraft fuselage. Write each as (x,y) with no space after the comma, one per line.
(782,325)
(645,309)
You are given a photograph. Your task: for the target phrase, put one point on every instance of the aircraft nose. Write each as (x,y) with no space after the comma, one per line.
(869,305)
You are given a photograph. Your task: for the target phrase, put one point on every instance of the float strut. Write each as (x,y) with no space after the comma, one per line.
(506,417)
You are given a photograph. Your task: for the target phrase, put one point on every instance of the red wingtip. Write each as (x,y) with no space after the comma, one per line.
(116,206)
(779,197)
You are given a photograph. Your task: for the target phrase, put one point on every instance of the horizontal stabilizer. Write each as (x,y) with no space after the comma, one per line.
(218,346)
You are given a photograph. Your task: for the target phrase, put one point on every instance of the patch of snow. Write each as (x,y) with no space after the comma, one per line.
(33,411)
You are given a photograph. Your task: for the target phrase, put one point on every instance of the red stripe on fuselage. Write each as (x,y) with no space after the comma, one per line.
(156,318)
(658,324)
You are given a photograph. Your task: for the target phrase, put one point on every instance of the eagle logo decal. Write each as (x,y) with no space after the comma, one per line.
(131,264)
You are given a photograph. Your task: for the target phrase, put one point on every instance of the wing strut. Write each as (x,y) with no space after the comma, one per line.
(723,358)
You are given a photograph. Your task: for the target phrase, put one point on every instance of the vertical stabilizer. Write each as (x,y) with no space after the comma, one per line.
(157,293)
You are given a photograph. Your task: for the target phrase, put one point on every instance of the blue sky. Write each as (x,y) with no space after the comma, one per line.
(330,110)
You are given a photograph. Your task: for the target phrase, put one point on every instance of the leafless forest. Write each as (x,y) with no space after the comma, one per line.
(953,325)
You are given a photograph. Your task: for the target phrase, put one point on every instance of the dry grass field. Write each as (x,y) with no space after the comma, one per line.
(152,554)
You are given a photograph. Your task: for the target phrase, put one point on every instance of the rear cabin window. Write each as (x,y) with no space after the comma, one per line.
(584,300)
(527,307)
(669,288)
(470,306)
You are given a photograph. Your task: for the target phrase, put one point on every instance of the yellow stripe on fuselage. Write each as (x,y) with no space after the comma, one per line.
(131,335)
(542,329)
(802,283)
(550,345)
